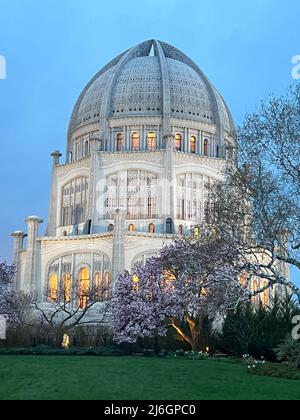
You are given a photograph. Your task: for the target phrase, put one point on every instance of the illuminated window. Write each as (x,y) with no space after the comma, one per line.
(180,230)
(169,277)
(67,287)
(136,282)
(196,232)
(255,290)
(84,281)
(119,142)
(205,149)
(265,294)
(98,284)
(151,228)
(193,144)
(151,141)
(243,280)
(110,228)
(178,142)
(53,287)
(131,228)
(107,286)
(135,141)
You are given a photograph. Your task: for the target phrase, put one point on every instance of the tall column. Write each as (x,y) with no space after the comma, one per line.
(168,193)
(118,255)
(18,245)
(52,219)
(30,280)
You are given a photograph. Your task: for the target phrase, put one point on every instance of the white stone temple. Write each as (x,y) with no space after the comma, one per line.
(147,136)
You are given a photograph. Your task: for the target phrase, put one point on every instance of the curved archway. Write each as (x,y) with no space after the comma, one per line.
(169,226)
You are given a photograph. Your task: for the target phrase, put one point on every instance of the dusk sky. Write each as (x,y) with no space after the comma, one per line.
(53,48)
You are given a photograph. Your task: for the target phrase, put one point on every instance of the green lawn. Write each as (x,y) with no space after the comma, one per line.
(79,378)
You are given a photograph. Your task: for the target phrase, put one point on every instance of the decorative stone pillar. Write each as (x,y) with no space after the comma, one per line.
(18,245)
(118,255)
(52,219)
(168,193)
(30,280)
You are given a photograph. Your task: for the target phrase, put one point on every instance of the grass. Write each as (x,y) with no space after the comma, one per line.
(129,378)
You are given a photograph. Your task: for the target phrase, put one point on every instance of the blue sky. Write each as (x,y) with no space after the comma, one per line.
(53,47)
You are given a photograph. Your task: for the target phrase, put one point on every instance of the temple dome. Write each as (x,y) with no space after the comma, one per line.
(139,83)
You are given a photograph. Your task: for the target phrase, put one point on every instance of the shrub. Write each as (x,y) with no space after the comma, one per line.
(258,331)
(72,351)
(289,351)
(274,370)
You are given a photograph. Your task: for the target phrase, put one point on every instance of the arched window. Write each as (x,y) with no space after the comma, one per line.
(84,286)
(67,287)
(65,233)
(180,230)
(255,290)
(265,294)
(131,228)
(178,142)
(135,141)
(151,141)
(98,285)
(110,228)
(193,144)
(86,148)
(205,148)
(75,191)
(106,293)
(119,142)
(169,226)
(151,228)
(54,287)
(218,151)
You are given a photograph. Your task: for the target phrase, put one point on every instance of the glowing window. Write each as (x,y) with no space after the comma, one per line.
(196,232)
(135,141)
(265,294)
(178,142)
(67,287)
(151,228)
(243,280)
(136,282)
(107,286)
(84,287)
(193,144)
(98,284)
(119,142)
(151,141)
(255,290)
(131,228)
(205,149)
(53,287)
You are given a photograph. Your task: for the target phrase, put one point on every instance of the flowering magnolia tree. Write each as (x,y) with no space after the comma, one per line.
(189,280)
